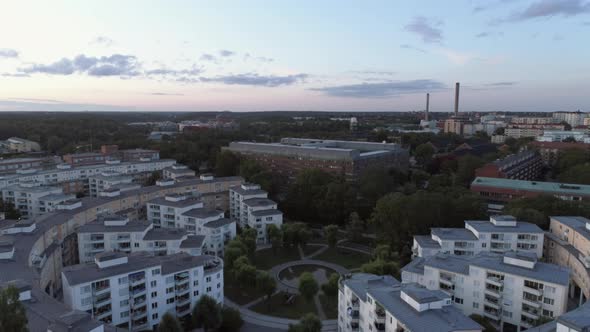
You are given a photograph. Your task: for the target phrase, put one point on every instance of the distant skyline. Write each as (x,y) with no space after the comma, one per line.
(509,55)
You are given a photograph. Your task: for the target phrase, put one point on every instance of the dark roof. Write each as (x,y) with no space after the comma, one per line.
(426,241)
(460,234)
(183,203)
(269,212)
(193,241)
(99,227)
(218,223)
(202,213)
(163,234)
(258,202)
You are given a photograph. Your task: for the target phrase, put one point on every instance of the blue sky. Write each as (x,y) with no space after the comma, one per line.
(509,55)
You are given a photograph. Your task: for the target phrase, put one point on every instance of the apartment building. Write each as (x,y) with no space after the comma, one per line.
(568,244)
(33,200)
(533,120)
(19,145)
(574,119)
(525,165)
(577,320)
(500,234)
(341,158)
(562,135)
(134,291)
(368,302)
(530,130)
(177,171)
(250,207)
(186,212)
(497,191)
(512,290)
(237,195)
(11,165)
(110,153)
(118,234)
(99,183)
(550,150)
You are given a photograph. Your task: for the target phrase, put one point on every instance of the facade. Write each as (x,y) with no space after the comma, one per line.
(33,200)
(577,320)
(500,234)
(367,302)
(455,125)
(574,119)
(177,171)
(85,158)
(342,158)
(13,164)
(100,183)
(110,152)
(550,150)
(533,120)
(19,145)
(118,234)
(568,244)
(513,291)
(135,291)
(562,135)
(499,191)
(525,165)
(250,208)
(530,130)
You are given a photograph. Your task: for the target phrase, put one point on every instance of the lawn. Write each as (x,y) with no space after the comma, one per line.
(237,294)
(278,306)
(344,257)
(310,249)
(267,258)
(330,305)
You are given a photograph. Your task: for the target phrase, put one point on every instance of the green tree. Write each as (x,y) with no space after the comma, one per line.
(169,323)
(275,236)
(206,313)
(308,287)
(331,233)
(248,238)
(10,212)
(296,233)
(308,323)
(381,267)
(377,181)
(244,272)
(226,164)
(231,320)
(484,322)
(266,284)
(12,313)
(579,174)
(570,158)
(354,228)
(54,144)
(466,167)
(331,287)
(538,209)
(424,153)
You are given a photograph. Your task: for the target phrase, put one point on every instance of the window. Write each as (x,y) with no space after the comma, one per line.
(155,316)
(458,300)
(154,305)
(154,294)
(153,283)
(208,279)
(169,279)
(196,283)
(124,303)
(208,289)
(218,285)
(196,273)
(549,301)
(124,314)
(169,290)
(547,313)
(483,245)
(86,301)
(170,300)
(155,272)
(475,305)
(123,280)
(85,289)
(196,293)
(136,245)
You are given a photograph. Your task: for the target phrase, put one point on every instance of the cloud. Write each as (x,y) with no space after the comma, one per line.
(113,65)
(505,83)
(375,72)
(427,29)
(411,47)
(254,79)
(548,9)
(208,57)
(486,34)
(14,75)
(103,40)
(482,34)
(456,57)
(195,70)
(226,53)
(248,56)
(38,100)
(8,53)
(165,94)
(382,90)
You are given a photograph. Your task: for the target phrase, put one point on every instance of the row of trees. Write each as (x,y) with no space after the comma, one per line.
(208,315)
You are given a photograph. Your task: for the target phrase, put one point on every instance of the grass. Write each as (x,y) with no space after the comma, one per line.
(237,294)
(330,305)
(267,258)
(310,249)
(278,307)
(344,257)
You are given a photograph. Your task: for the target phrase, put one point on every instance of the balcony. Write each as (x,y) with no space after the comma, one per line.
(139,301)
(379,326)
(97,238)
(446,281)
(492,314)
(492,302)
(354,303)
(182,300)
(183,310)
(102,300)
(139,313)
(100,289)
(533,291)
(181,289)
(136,279)
(531,301)
(531,313)
(495,281)
(354,326)
(138,291)
(102,312)
(140,324)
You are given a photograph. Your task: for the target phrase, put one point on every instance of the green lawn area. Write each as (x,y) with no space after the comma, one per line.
(330,305)
(344,257)
(278,306)
(237,294)
(310,249)
(267,258)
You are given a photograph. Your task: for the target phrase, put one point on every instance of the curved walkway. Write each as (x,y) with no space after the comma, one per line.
(274,272)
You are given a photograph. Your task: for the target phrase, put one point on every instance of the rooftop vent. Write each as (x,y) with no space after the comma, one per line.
(206,177)
(107,259)
(164,182)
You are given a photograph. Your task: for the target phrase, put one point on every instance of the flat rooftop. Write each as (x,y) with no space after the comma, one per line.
(534,186)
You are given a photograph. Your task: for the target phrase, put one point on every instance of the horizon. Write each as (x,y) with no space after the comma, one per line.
(333,56)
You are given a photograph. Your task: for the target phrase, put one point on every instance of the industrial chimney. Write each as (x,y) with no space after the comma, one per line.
(456,98)
(427,106)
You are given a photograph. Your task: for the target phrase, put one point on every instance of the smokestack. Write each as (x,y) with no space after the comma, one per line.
(456,98)
(427,106)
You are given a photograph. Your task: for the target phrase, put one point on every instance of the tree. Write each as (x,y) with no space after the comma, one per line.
(424,153)
(265,283)
(230,255)
(576,174)
(10,212)
(206,313)
(275,236)
(354,228)
(308,323)
(566,126)
(381,267)
(331,232)
(466,167)
(151,180)
(226,164)
(331,287)
(54,144)
(12,313)
(244,272)
(570,158)
(231,320)
(538,209)
(376,181)
(487,326)
(296,233)
(169,323)
(308,287)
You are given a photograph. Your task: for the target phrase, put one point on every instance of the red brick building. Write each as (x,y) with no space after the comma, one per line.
(550,150)
(525,165)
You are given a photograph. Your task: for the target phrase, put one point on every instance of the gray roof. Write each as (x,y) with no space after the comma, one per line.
(218,223)
(415,266)
(19,284)
(193,241)
(257,201)
(577,223)
(459,234)
(243,191)
(578,319)
(202,213)
(360,282)
(179,204)
(263,213)
(83,273)
(486,226)
(426,241)
(74,321)
(99,227)
(460,264)
(163,234)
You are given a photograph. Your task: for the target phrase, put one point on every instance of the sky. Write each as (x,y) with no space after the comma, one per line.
(107,55)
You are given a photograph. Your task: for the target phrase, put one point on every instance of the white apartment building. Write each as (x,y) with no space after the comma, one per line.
(237,195)
(97,184)
(574,119)
(16,144)
(561,135)
(134,291)
(188,213)
(118,234)
(177,171)
(32,199)
(367,302)
(577,320)
(512,290)
(250,207)
(501,233)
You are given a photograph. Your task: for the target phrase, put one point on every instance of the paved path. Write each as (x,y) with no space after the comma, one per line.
(323,248)
(274,272)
